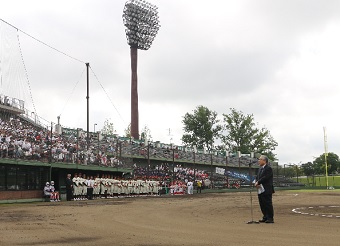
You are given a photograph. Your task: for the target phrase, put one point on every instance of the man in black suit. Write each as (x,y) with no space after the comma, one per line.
(69,188)
(264,184)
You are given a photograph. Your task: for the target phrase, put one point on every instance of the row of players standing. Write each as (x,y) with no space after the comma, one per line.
(88,188)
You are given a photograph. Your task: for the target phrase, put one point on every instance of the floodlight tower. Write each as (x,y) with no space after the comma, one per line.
(142,24)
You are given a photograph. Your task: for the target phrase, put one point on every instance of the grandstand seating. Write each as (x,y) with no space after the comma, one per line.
(20,138)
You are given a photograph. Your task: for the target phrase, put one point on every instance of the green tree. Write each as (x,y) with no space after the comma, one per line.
(289,171)
(308,168)
(146,133)
(333,164)
(108,128)
(242,134)
(127,131)
(201,128)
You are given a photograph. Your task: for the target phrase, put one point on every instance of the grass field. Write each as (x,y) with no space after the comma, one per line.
(321,181)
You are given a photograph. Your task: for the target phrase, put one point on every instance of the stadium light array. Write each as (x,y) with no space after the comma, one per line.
(142,23)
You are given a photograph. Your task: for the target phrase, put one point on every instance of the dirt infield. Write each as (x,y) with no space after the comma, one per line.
(301,218)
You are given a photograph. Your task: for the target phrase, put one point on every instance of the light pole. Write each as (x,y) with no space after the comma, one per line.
(94,127)
(142,24)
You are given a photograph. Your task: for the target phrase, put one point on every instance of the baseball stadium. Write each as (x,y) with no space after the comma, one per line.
(62,185)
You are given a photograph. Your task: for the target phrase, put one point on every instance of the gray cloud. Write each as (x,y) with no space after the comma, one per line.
(269,58)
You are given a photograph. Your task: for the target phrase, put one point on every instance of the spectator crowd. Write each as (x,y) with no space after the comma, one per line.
(21,139)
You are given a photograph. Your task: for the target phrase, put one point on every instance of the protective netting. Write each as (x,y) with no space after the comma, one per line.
(13,78)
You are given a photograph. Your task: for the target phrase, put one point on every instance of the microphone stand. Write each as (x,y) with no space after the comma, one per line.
(251,198)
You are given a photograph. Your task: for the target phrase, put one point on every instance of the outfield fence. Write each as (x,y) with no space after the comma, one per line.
(321,181)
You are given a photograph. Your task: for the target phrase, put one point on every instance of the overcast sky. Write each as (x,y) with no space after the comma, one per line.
(278,60)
